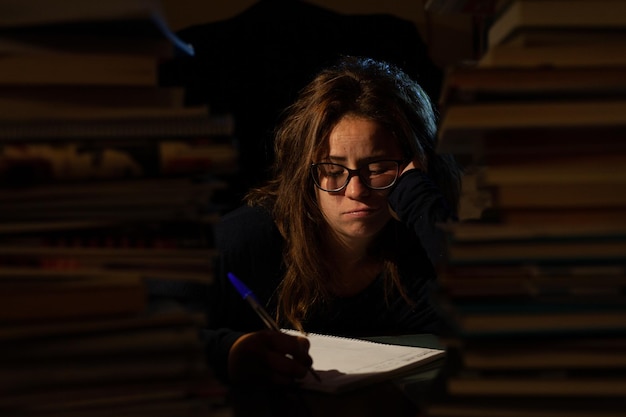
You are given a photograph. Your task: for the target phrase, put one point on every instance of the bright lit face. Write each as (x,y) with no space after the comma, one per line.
(357,213)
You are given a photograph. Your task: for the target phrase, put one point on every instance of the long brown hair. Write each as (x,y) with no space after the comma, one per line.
(359,86)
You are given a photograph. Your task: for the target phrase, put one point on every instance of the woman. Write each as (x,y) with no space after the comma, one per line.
(343,240)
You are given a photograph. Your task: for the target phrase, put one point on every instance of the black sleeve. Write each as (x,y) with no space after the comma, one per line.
(420,205)
(250,247)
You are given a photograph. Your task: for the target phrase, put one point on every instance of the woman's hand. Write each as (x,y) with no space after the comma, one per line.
(413,164)
(268,356)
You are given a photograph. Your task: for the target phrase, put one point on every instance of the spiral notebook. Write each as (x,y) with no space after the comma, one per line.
(344,364)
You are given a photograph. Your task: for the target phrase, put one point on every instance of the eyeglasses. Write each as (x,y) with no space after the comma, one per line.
(377,175)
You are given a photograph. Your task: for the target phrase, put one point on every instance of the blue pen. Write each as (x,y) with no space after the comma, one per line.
(249,296)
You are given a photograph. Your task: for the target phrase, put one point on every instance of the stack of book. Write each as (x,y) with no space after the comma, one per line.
(109,189)
(534,290)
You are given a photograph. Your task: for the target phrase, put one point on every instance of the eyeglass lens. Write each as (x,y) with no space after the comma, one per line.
(376,175)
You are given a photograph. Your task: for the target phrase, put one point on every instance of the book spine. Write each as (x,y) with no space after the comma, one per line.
(137,128)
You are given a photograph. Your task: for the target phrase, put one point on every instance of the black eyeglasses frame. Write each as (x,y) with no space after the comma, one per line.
(356,172)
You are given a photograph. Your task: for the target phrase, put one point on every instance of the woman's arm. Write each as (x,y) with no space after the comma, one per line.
(418,203)
(238,345)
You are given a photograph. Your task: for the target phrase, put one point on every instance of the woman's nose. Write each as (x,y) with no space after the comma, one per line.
(356,187)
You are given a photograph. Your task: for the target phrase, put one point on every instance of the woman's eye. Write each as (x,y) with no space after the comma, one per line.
(376,170)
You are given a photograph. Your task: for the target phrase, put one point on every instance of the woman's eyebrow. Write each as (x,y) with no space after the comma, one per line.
(335,158)
(366,160)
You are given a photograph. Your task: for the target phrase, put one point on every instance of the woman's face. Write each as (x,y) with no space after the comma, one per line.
(357,212)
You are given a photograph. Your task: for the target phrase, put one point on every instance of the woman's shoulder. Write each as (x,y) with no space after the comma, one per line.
(246,224)
(246,213)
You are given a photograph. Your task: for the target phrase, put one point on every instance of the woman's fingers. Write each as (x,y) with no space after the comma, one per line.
(289,356)
(269,355)
(413,164)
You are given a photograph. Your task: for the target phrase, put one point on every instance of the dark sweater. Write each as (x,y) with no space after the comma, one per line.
(251,247)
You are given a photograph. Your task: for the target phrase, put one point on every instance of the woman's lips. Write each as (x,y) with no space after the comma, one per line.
(361,212)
